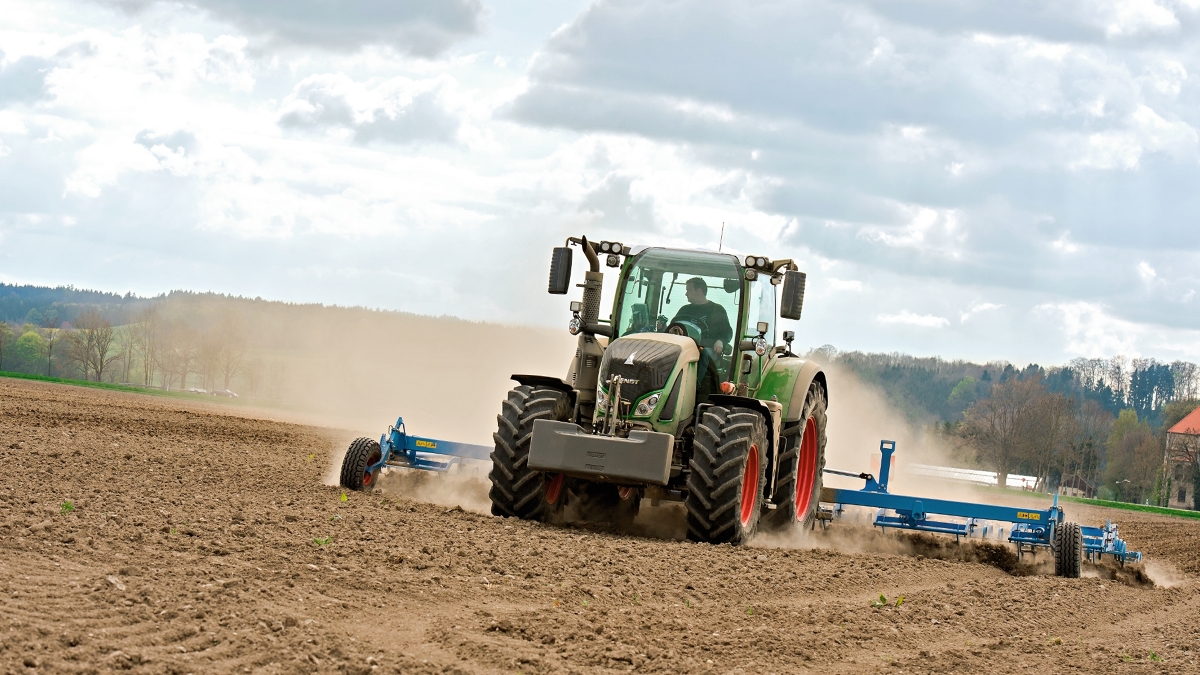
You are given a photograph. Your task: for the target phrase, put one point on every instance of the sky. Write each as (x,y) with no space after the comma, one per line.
(989,181)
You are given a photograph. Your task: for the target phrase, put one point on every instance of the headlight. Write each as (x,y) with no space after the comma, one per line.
(749,261)
(575,325)
(647,406)
(760,346)
(604,246)
(601,400)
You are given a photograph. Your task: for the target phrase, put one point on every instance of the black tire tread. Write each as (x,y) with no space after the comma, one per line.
(785,479)
(1068,552)
(723,437)
(356,461)
(518,491)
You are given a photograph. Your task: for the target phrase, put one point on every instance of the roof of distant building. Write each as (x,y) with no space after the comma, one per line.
(1189,425)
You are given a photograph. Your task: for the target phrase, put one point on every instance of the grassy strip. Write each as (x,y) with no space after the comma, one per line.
(1178,513)
(152,391)
(1126,506)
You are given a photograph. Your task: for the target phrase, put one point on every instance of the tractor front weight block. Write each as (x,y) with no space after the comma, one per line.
(562,447)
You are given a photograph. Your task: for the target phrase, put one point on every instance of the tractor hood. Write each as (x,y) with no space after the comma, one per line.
(649,359)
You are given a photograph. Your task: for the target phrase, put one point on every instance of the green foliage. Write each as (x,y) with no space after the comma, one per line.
(963,394)
(881,601)
(66,507)
(322,541)
(1126,422)
(1162,511)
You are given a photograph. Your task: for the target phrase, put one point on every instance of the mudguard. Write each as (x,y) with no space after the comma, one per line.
(810,371)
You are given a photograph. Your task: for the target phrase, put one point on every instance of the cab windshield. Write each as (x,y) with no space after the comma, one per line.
(683,292)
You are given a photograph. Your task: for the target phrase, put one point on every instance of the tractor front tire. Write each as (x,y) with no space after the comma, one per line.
(363,453)
(728,469)
(1068,550)
(801,467)
(518,491)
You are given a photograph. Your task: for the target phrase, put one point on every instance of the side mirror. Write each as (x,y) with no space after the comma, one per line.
(793,295)
(560,270)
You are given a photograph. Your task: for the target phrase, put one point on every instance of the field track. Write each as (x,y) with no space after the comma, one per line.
(200,539)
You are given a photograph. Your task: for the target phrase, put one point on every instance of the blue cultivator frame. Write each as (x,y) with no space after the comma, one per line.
(1031,528)
(399,449)
(1101,541)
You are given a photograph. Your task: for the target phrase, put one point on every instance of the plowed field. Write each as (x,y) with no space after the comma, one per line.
(152,536)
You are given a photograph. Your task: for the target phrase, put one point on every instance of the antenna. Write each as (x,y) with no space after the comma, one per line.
(721,242)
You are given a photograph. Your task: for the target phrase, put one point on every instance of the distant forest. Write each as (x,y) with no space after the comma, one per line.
(1093,426)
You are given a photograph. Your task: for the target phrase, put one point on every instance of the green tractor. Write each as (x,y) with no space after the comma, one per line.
(681,394)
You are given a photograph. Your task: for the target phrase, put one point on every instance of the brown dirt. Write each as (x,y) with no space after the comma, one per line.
(191,550)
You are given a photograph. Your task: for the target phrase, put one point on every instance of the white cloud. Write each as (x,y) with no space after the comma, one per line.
(844,285)
(420,27)
(949,153)
(912,319)
(976,309)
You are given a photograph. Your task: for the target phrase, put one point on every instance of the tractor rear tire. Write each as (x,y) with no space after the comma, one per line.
(1068,551)
(728,469)
(518,491)
(363,453)
(801,467)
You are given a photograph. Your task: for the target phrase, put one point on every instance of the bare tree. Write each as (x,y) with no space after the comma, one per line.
(1085,451)
(998,425)
(92,341)
(51,326)
(1051,426)
(232,351)
(208,355)
(146,340)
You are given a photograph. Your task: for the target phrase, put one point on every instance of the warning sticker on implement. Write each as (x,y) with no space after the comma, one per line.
(426,444)
(1029,515)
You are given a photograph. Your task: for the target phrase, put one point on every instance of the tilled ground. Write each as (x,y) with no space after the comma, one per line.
(197,540)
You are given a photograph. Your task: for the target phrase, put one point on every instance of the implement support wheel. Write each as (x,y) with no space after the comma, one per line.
(1068,550)
(363,453)
(727,475)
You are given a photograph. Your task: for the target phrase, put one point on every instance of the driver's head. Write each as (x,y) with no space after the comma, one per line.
(697,291)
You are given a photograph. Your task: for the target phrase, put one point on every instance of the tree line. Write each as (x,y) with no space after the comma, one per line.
(155,347)
(1094,425)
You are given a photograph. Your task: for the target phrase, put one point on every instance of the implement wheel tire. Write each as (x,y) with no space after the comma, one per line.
(363,453)
(518,491)
(1068,550)
(801,467)
(728,469)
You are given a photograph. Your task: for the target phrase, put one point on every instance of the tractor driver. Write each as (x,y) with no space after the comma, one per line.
(714,322)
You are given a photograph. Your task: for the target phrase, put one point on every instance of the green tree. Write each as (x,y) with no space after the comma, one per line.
(28,350)
(1134,458)
(6,334)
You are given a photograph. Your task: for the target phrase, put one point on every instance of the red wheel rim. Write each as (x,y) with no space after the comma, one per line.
(806,469)
(750,485)
(624,493)
(368,477)
(554,489)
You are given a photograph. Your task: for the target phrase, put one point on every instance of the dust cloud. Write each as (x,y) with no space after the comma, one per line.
(860,416)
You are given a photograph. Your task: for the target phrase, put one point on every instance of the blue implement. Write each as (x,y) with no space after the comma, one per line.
(1101,541)
(1031,528)
(398,448)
